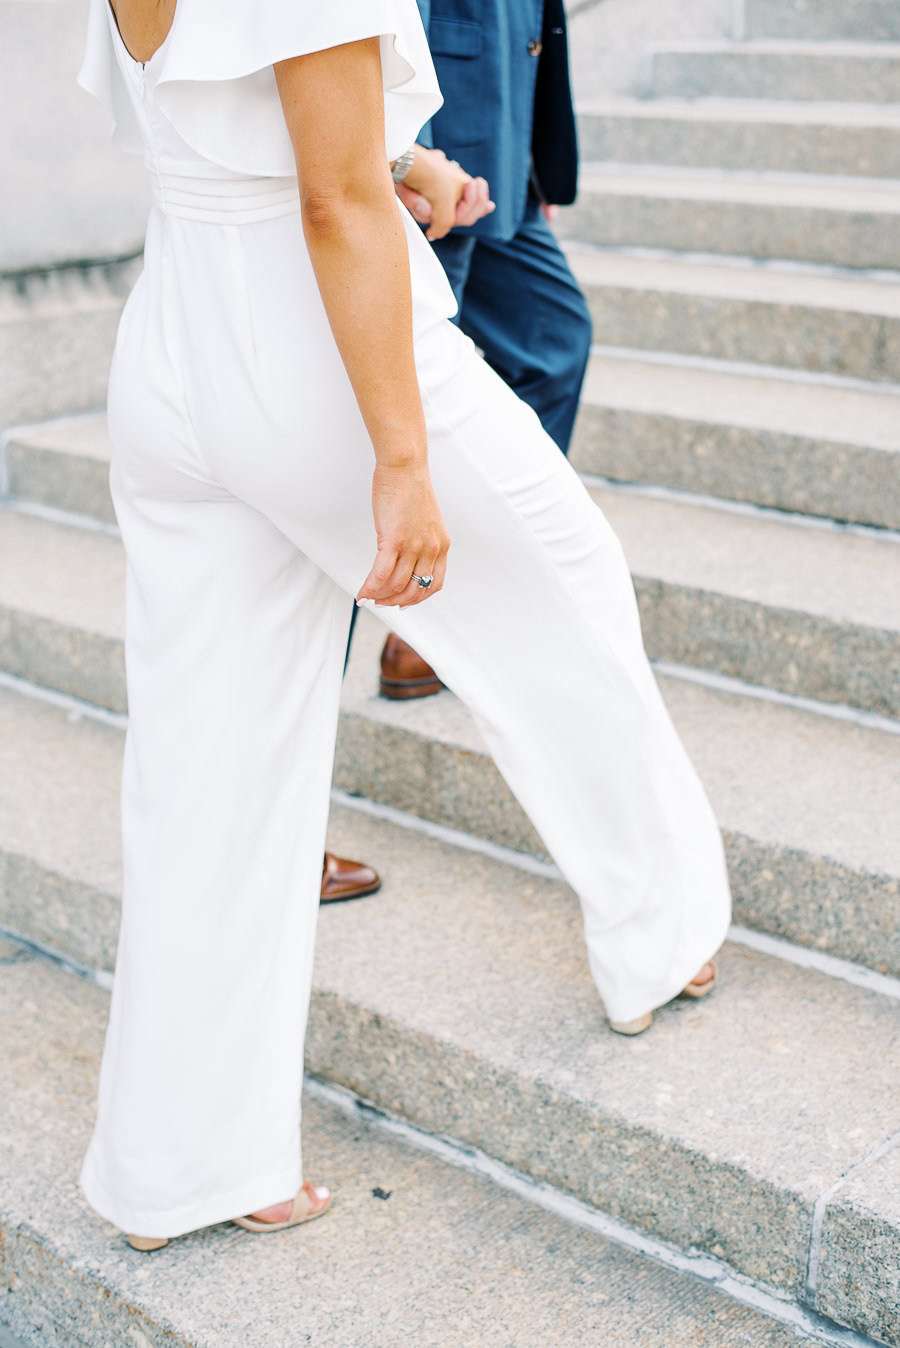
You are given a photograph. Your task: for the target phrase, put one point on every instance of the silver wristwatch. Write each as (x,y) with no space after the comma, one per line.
(401,166)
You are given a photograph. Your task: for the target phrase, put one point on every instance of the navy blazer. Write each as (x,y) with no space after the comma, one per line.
(487,54)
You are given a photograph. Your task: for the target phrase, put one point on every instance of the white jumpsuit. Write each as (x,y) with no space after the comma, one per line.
(241,473)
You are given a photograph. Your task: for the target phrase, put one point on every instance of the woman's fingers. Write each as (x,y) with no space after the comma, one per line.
(398,584)
(418,206)
(375,585)
(416,593)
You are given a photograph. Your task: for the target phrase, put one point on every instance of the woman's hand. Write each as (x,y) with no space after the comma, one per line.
(411,537)
(437,192)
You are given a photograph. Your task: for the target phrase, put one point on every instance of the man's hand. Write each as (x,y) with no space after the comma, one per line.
(438,193)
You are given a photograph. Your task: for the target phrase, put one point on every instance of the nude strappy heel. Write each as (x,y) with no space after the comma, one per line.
(304,1209)
(693,990)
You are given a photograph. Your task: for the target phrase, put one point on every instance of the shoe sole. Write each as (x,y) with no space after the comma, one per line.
(351,894)
(404,690)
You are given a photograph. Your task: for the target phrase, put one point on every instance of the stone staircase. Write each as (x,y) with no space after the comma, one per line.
(741,428)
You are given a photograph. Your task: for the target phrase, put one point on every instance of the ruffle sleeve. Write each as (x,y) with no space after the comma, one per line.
(214,79)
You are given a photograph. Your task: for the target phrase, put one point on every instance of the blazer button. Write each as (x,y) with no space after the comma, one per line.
(535,47)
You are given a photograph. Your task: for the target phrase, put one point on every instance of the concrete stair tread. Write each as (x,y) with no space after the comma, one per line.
(880,196)
(775,772)
(872,19)
(86,435)
(500,1005)
(72,576)
(447,1259)
(762,111)
(782,70)
(759,559)
(738,279)
(76,575)
(761,46)
(843,413)
(802,794)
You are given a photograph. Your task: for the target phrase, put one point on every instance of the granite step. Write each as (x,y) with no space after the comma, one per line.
(724,1130)
(781,70)
(747,434)
(819,447)
(848,222)
(801,317)
(865,20)
(749,134)
(413,1249)
(811,611)
(57,330)
(802,799)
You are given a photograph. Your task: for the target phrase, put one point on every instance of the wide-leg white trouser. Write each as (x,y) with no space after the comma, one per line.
(245,536)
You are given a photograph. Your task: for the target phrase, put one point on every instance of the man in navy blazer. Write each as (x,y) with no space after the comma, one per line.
(507,117)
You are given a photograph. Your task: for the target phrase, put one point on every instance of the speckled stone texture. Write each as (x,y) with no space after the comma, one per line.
(801,221)
(807,611)
(64,465)
(465,1004)
(759,70)
(661,133)
(815,320)
(851,482)
(859,1273)
(57,331)
(446,1260)
(802,801)
(858,20)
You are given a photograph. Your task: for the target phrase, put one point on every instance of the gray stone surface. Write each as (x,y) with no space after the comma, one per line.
(793,608)
(812,318)
(717,1132)
(805,219)
(607,40)
(57,331)
(802,801)
(860,20)
(63,464)
(75,197)
(60,851)
(490,1029)
(447,1260)
(732,133)
(862,1232)
(62,608)
(12,951)
(770,440)
(823,72)
(808,611)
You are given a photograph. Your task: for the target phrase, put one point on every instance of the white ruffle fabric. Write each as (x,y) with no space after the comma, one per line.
(241,475)
(214,80)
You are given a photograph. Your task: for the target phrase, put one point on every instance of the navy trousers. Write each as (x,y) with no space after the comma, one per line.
(520,303)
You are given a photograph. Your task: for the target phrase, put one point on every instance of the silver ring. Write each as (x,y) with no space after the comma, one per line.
(424,581)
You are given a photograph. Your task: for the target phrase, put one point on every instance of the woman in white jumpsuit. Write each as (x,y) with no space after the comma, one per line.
(242,478)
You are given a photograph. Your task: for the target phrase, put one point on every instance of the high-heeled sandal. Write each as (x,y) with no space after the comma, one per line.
(303,1209)
(692,990)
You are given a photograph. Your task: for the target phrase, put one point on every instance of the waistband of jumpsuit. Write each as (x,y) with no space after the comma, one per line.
(224,201)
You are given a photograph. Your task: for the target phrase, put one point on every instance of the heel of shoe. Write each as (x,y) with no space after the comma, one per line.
(631,1027)
(147,1242)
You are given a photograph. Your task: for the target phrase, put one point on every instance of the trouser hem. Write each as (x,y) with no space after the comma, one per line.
(250,1197)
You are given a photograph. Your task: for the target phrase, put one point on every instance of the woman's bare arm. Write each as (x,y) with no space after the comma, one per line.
(333,105)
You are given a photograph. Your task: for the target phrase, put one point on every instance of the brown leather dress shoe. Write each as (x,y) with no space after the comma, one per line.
(343,879)
(404,674)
